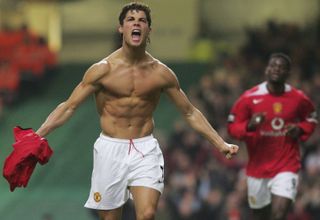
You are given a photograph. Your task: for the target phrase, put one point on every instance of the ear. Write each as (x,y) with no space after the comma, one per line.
(120,29)
(149,31)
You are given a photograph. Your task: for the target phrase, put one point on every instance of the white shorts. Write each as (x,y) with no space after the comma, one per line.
(284,184)
(120,163)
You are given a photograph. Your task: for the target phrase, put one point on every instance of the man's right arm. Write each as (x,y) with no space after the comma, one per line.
(238,119)
(194,117)
(64,111)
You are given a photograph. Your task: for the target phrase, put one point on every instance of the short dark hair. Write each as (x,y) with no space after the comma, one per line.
(283,56)
(138,6)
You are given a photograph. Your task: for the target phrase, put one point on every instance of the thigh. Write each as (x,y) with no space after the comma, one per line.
(280,204)
(114,214)
(145,199)
(262,214)
(284,185)
(259,194)
(284,189)
(109,176)
(147,170)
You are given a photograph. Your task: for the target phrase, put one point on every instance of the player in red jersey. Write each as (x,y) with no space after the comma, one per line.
(271,118)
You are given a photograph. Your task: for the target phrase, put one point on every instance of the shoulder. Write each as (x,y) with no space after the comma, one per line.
(294,90)
(259,90)
(298,93)
(254,91)
(97,71)
(164,72)
(159,66)
(103,67)
(250,95)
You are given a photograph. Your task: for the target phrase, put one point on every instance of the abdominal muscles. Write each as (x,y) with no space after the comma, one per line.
(128,117)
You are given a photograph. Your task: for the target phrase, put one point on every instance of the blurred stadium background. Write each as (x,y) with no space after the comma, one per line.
(217,49)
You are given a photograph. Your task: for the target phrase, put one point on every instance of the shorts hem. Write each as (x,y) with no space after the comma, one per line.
(259,206)
(102,207)
(148,186)
(282,195)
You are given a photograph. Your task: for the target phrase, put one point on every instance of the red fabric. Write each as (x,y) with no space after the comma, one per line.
(29,149)
(270,150)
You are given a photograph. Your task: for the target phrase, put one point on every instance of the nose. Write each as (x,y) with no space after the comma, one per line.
(276,68)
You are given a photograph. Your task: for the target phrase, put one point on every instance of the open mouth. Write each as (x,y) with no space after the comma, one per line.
(136,34)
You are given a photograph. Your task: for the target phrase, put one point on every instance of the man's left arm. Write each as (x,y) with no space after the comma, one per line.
(308,118)
(196,119)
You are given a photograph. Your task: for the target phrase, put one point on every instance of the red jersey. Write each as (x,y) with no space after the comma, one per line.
(270,151)
(28,149)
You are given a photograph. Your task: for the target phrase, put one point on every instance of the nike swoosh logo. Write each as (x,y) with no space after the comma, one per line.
(256,101)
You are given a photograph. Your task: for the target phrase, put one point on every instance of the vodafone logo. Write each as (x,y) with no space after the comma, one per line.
(277,124)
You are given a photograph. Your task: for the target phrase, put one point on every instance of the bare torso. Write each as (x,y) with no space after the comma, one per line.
(128,96)
(127,86)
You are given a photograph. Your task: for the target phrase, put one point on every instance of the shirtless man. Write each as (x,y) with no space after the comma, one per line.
(127,86)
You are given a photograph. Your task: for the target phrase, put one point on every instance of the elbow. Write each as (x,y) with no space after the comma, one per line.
(195,119)
(191,112)
(235,133)
(231,133)
(190,115)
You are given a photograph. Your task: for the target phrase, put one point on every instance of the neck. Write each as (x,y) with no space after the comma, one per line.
(134,54)
(276,88)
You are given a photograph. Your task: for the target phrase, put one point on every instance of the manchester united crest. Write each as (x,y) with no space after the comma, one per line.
(97,197)
(252,200)
(277,108)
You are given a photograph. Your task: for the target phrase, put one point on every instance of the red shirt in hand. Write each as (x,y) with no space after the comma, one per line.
(29,149)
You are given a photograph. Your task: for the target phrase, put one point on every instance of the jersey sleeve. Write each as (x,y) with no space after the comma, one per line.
(308,117)
(238,119)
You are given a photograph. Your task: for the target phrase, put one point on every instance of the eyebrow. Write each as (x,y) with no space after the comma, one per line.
(141,18)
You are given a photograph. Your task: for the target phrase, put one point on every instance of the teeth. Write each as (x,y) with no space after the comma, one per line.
(136,32)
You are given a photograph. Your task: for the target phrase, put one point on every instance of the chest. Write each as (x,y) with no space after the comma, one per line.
(284,107)
(128,82)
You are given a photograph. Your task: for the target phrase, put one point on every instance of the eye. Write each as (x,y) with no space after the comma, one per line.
(143,20)
(283,68)
(130,19)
